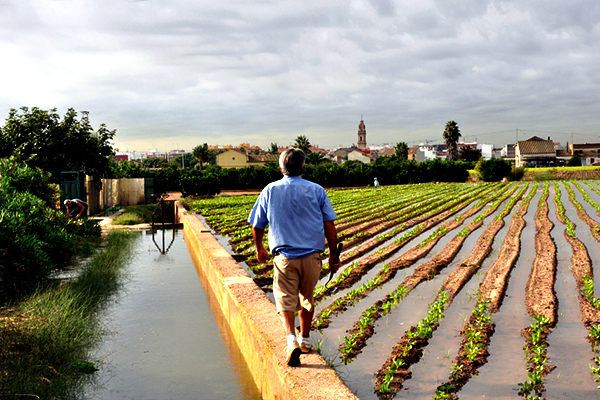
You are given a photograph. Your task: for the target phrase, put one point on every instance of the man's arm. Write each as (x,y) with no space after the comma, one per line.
(331,235)
(81,211)
(258,235)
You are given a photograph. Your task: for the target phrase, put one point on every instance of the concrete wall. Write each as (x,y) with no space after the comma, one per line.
(125,192)
(254,323)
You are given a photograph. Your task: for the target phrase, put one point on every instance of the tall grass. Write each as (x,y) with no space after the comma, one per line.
(46,339)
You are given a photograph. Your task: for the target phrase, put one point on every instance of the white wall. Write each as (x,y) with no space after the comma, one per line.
(125,192)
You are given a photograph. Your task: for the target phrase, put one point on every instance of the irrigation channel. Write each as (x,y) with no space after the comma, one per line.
(167,342)
(453,291)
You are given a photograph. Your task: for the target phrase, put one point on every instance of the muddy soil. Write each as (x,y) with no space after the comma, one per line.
(541,298)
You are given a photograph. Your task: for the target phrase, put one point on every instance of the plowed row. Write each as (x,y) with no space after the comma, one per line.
(418,259)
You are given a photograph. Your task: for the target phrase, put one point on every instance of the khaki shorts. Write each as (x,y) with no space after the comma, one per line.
(294,282)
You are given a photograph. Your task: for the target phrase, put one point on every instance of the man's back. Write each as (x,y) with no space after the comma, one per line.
(295,210)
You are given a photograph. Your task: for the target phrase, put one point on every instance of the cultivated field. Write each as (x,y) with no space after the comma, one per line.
(454,290)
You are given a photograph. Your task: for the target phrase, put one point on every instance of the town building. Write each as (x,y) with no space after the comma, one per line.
(508,151)
(534,152)
(361,155)
(416,154)
(236,159)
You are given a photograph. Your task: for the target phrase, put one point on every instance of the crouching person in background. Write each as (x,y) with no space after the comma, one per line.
(76,208)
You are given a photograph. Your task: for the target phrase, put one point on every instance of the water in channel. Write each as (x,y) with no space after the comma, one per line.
(165,341)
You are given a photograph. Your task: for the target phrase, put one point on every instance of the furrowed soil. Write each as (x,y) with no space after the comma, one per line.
(521,266)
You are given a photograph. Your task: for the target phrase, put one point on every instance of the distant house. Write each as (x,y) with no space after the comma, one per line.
(387,151)
(584,150)
(236,159)
(416,154)
(359,155)
(431,153)
(487,150)
(535,151)
(508,151)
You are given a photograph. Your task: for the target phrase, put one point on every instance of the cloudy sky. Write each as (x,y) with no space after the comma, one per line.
(177,73)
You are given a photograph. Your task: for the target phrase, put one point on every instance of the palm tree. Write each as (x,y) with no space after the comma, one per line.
(315,158)
(303,144)
(401,151)
(274,149)
(451,135)
(203,154)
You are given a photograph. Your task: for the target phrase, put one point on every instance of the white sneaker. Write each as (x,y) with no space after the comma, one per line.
(305,345)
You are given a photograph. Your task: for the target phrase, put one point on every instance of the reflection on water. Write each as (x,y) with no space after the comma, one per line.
(166,343)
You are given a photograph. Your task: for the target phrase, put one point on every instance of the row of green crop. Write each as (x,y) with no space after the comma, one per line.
(336,307)
(393,297)
(473,346)
(421,333)
(561,211)
(535,352)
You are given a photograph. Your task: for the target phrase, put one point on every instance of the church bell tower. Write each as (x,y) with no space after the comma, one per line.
(362,134)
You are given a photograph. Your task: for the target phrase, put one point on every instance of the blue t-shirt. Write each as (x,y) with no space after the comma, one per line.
(295,210)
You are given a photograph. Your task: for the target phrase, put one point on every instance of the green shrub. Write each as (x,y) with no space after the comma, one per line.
(574,161)
(492,170)
(516,174)
(18,177)
(199,183)
(34,238)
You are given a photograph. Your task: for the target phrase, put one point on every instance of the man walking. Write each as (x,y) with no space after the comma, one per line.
(300,217)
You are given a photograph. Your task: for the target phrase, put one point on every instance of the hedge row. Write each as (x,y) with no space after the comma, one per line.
(387,170)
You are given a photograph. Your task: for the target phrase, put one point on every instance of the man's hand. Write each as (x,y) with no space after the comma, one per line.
(261,253)
(333,267)
(331,235)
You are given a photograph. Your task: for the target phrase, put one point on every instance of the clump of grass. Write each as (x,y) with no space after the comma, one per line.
(545,176)
(142,214)
(129,219)
(46,338)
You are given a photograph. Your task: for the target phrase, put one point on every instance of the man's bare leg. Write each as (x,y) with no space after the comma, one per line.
(306,321)
(293,349)
(287,319)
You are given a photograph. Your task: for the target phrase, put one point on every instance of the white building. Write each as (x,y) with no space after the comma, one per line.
(429,153)
(487,150)
(358,156)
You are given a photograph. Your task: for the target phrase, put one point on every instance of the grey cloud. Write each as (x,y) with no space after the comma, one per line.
(238,70)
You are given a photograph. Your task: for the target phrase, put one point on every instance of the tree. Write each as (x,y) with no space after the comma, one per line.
(203,154)
(126,169)
(186,160)
(315,158)
(155,162)
(41,139)
(451,135)
(401,151)
(274,149)
(469,153)
(303,144)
